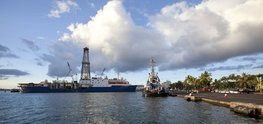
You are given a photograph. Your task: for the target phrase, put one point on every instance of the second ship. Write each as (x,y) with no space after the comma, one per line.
(153,87)
(85,84)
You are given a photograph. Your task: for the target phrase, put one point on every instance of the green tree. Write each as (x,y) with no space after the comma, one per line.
(205,79)
(186,85)
(179,85)
(216,84)
(191,81)
(247,81)
(224,83)
(172,86)
(259,82)
(232,81)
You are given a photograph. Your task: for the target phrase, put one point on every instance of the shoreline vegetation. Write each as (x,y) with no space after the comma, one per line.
(229,91)
(236,83)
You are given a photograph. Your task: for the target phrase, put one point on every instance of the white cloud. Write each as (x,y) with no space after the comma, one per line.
(210,32)
(180,36)
(62,6)
(112,36)
(60,54)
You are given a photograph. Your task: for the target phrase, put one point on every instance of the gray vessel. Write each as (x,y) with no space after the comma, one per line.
(153,87)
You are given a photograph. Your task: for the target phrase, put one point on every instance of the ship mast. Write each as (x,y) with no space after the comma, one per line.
(152,63)
(85,70)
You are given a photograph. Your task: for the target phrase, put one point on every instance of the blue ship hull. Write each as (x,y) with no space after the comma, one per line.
(131,88)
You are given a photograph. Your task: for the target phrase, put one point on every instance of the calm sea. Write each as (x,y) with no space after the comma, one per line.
(110,108)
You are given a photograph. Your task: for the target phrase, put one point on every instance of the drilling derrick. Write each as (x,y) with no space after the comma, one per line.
(85,70)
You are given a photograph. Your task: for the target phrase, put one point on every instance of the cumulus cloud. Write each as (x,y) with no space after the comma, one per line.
(6,73)
(30,44)
(62,6)
(179,36)
(115,41)
(5,52)
(61,54)
(212,31)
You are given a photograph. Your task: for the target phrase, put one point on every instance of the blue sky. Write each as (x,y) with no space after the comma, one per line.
(38,38)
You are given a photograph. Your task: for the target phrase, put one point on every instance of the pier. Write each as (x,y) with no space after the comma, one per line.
(247,104)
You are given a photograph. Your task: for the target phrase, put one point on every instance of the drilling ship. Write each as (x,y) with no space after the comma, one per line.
(85,84)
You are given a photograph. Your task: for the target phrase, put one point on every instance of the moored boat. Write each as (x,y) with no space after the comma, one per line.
(14,90)
(153,87)
(93,85)
(85,84)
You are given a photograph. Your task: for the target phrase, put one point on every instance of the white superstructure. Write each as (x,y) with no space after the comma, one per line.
(103,82)
(95,82)
(87,81)
(153,82)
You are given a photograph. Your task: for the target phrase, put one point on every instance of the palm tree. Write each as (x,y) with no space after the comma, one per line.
(216,84)
(243,81)
(232,81)
(179,85)
(259,82)
(224,83)
(192,81)
(186,86)
(205,79)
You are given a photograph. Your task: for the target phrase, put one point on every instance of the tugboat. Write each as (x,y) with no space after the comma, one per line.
(153,88)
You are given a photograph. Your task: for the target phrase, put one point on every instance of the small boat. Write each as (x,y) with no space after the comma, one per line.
(14,90)
(153,88)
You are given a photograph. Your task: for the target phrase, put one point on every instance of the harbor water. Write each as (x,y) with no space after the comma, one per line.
(110,108)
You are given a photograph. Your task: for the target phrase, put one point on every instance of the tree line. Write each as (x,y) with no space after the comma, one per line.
(230,82)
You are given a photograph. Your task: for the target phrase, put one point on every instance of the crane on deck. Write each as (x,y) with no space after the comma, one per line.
(102,73)
(69,72)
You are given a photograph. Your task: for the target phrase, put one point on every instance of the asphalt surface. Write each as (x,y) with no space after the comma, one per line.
(245,98)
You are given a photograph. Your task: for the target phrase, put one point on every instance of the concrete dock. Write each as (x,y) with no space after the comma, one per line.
(244,98)
(247,104)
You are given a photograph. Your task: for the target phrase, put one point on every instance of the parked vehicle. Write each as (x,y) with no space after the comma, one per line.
(247,90)
(234,91)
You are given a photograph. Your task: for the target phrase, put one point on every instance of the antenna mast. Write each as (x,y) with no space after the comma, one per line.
(152,63)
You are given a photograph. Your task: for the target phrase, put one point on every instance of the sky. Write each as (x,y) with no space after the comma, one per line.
(185,37)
